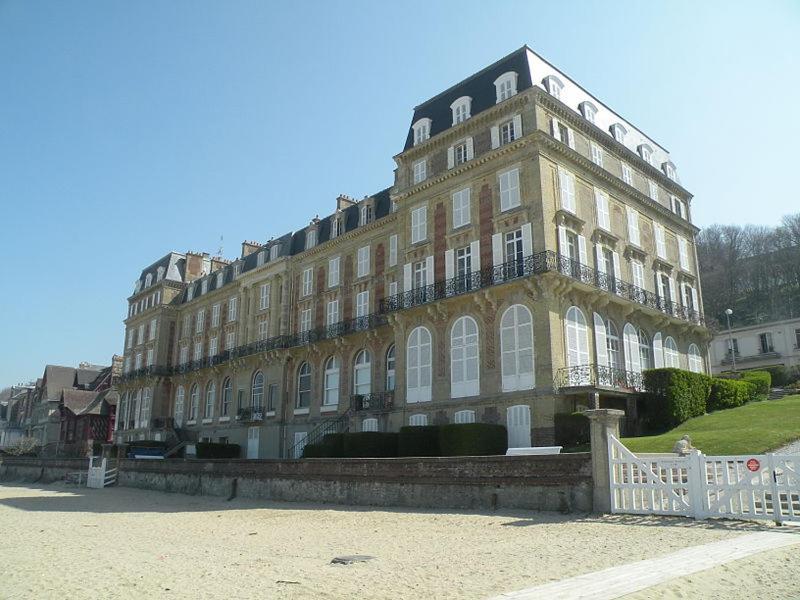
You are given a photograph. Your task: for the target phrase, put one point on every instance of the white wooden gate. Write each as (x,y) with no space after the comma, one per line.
(253,435)
(735,487)
(518,423)
(100,475)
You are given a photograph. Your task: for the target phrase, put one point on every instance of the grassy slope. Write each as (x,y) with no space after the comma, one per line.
(754,428)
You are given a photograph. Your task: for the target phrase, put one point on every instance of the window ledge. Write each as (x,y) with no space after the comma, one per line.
(224,419)
(301,411)
(191,422)
(270,413)
(329,408)
(207,420)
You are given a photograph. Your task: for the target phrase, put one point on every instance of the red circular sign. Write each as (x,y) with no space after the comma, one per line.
(753,465)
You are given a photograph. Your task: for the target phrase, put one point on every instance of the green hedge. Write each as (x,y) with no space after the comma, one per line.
(673,396)
(762,380)
(331,446)
(420,440)
(571,429)
(211,450)
(472,439)
(780,375)
(729,393)
(369,444)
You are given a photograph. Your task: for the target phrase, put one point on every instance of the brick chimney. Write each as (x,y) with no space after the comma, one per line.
(217,263)
(249,247)
(195,262)
(343,201)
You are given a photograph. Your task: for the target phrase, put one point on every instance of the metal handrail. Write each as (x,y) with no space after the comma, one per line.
(598,376)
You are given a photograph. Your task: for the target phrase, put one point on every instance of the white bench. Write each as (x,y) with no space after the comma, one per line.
(536,451)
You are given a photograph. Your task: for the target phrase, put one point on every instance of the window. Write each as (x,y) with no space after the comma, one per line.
(204,286)
(695,360)
(464,363)
(671,357)
(566,183)
(420,275)
(198,350)
(230,340)
(308,281)
(461,208)
(661,244)
(630,340)
(362,304)
(765,345)
(365,214)
(653,189)
(274,251)
(260,259)
(612,345)
(463,266)
(304,386)
(516,348)
(362,376)
(588,110)
(130,338)
(603,214)
(513,246)
(633,227)
(683,253)
(508,132)
(678,207)
(505,86)
(187,324)
(418,366)
(362,262)
(332,314)
(618,132)
(212,346)
(645,350)
(464,416)
(184,355)
(263,329)
(646,152)
(627,174)
(420,169)
(637,272)
(460,153)
(563,133)
(179,402)
(148,280)
(422,130)
(461,109)
(305,320)
(597,154)
(215,315)
(336,227)
(239,400)
(232,309)
(159,273)
(257,391)
(199,321)
(553,85)
(333,272)
(144,408)
(211,394)
(311,238)
(797,339)
(263,302)
(419,224)
(220,278)
(194,402)
(392,288)
(331,391)
(509,189)
(418,420)
(140,336)
(153,323)
(669,170)
(577,343)
(272,396)
(149,357)
(370,424)
(226,397)
(392,250)
(390,369)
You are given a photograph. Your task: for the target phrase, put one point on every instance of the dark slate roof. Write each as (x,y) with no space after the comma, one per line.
(100,404)
(77,400)
(480,87)
(174,268)
(56,379)
(85,377)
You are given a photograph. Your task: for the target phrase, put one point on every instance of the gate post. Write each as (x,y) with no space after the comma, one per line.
(698,495)
(603,423)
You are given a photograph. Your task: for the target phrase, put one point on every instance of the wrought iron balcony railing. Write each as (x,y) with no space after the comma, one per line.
(373,401)
(162,423)
(152,371)
(250,415)
(598,376)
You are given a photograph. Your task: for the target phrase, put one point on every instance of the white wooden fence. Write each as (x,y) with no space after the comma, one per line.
(100,475)
(763,486)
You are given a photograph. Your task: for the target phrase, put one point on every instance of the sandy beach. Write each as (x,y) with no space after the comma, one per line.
(66,542)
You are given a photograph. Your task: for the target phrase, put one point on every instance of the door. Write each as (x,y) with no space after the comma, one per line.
(252,442)
(300,438)
(519,426)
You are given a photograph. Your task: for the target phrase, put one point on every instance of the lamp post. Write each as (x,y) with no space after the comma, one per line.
(728,313)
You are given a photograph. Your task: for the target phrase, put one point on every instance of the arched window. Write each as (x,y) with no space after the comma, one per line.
(134,409)
(577,346)
(464,364)
(362,373)
(422,130)
(148,280)
(211,398)
(144,407)
(227,391)
(461,109)
(331,391)
(516,348)
(257,391)
(645,350)
(658,351)
(304,386)
(695,360)
(612,344)
(646,152)
(370,424)
(633,361)
(418,366)
(671,357)
(553,85)
(505,86)
(418,420)
(390,366)
(180,399)
(194,402)
(618,132)
(588,110)
(464,416)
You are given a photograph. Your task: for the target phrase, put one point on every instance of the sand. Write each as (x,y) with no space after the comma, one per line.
(64,542)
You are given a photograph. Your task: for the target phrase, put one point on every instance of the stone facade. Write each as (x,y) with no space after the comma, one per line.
(772,344)
(524,263)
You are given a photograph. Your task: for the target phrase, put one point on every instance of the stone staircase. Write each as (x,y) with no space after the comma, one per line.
(778,393)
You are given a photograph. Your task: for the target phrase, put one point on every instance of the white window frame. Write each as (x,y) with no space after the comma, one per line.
(419,371)
(393,250)
(311,238)
(603,209)
(362,262)
(332,312)
(419,224)
(333,271)
(215,315)
(305,320)
(597,154)
(362,304)
(420,170)
(331,378)
(461,208)
(233,309)
(505,86)
(508,182)
(464,358)
(308,282)
(566,184)
(422,130)
(263,300)
(461,109)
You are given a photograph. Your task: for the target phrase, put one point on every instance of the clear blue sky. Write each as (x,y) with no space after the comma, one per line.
(129,129)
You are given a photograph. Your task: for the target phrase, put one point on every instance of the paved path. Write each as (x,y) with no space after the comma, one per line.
(793,448)
(618,581)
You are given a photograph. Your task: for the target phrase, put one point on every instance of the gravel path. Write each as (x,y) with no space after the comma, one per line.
(793,448)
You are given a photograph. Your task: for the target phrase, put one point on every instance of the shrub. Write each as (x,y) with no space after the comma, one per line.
(780,375)
(418,441)
(571,429)
(369,444)
(472,439)
(208,450)
(331,446)
(673,396)
(24,446)
(729,393)
(762,380)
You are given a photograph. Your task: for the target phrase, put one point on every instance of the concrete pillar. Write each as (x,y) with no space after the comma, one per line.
(603,423)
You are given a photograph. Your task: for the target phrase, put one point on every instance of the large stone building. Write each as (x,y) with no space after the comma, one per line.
(771,344)
(534,255)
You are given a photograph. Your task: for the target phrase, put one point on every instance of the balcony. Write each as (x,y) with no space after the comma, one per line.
(250,415)
(597,377)
(162,423)
(151,371)
(770,355)
(375,401)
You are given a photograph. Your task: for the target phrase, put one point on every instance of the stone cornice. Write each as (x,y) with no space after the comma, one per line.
(349,235)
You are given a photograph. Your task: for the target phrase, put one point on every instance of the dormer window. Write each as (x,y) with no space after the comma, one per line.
(336,226)
(190,293)
(137,287)
(148,280)
(237,270)
(588,110)
(220,278)
(311,238)
(159,273)
(461,109)
(260,258)
(365,215)
(618,132)
(669,170)
(204,286)
(646,152)
(553,85)
(505,86)
(422,130)
(274,251)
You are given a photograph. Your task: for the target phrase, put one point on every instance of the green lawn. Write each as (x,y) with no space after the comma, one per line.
(754,428)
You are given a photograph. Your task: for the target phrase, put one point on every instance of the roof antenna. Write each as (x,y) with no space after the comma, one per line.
(220,250)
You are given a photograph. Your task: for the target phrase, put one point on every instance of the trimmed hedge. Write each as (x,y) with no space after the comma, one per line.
(472,439)
(212,450)
(730,393)
(780,375)
(571,429)
(369,444)
(331,446)
(673,396)
(762,380)
(418,441)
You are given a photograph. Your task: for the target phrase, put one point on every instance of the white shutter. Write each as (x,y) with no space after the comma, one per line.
(603,216)
(598,257)
(563,247)
(571,138)
(600,340)
(517,126)
(672,295)
(633,226)
(566,184)
(683,252)
(497,249)
(684,296)
(527,240)
(582,250)
(695,305)
(495,137)
(658,352)
(475,252)
(407,277)
(617,270)
(428,270)
(554,129)
(659,288)
(451,157)
(470,149)
(449,264)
